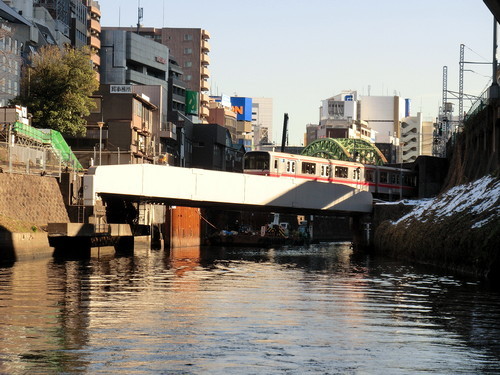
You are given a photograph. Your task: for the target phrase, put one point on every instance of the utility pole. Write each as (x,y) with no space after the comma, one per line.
(285,132)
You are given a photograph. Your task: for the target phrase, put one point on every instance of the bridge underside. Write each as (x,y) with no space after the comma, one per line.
(232,191)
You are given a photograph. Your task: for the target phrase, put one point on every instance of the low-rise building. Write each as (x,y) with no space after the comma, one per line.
(119,129)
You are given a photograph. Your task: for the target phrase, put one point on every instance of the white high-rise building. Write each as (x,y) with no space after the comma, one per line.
(411,138)
(262,120)
(383,114)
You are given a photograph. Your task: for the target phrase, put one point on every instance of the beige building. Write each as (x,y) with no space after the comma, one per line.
(223,116)
(94,25)
(427,137)
(262,120)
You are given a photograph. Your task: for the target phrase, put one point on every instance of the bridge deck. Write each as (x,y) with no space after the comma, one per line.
(200,187)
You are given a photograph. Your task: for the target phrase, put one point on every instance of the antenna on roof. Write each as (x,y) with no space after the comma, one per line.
(139,15)
(163,15)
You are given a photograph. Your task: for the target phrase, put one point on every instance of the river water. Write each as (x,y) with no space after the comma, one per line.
(297,310)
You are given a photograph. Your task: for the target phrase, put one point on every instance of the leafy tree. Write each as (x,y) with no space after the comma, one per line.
(56,89)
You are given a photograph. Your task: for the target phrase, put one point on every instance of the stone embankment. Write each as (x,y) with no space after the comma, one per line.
(458,230)
(27,204)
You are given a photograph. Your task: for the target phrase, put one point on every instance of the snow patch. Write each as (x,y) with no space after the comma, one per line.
(478,197)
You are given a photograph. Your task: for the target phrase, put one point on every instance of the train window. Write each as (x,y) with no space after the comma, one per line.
(369,175)
(383,177)
(356,174)
(325,170)
(275,163)
(293,166)
(257,160)
(308,168)
(394,178)
(288,166)
(342,172)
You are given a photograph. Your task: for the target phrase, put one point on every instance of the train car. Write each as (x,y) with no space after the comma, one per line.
(382,182)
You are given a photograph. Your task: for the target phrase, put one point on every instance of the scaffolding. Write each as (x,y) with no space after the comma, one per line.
(24,147)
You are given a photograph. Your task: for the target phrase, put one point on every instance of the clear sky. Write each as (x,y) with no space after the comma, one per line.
(300,52)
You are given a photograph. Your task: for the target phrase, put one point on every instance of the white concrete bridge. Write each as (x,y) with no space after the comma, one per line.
(202,188)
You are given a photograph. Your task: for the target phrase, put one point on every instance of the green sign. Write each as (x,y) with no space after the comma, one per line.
(192,102)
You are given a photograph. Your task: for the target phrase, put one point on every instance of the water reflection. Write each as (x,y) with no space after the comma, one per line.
(316,309)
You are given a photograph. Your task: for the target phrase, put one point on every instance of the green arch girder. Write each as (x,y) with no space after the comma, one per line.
(347,149)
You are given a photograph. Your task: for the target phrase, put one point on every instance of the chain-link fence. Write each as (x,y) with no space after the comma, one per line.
(16,158)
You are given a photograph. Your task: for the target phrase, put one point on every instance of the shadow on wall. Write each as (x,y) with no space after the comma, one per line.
(7,253)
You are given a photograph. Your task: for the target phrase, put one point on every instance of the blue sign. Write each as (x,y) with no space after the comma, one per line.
(243,108)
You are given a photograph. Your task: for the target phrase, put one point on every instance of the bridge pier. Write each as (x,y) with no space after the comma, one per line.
(362,231)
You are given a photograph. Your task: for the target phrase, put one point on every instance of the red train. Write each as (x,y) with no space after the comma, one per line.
(382,182)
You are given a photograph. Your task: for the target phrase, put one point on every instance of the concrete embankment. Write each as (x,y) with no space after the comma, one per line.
(459,230)
(27,204)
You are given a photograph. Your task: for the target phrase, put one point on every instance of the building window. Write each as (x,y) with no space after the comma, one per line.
(188,77)
(188,64)
(188,37)
(188,51)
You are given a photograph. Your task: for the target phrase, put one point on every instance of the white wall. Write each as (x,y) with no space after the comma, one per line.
(263,109)
(383,114)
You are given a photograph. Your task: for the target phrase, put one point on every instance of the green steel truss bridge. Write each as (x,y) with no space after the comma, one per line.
(346,149)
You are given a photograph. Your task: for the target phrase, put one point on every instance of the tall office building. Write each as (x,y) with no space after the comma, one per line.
(94,32)
(190,48)
(262,120)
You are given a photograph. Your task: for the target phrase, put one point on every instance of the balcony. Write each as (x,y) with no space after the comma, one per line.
(204,112)
(168,131)
(95,42)
(95,25)
(204,99)
(95,9)
(96,59)
(204,85)
(204,72)
(205,34)
(205,59)
(205,46)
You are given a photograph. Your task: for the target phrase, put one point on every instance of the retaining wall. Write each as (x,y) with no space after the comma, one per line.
(27,204)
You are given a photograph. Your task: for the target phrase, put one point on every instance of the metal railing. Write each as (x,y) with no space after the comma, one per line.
(15,158)
(478,106)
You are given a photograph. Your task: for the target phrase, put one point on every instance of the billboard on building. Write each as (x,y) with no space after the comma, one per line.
(191,102)
(242,107)
(407,107)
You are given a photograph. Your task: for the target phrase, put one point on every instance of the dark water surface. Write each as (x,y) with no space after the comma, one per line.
(304,310)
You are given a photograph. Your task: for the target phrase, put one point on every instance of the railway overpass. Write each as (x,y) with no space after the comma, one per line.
(207,188)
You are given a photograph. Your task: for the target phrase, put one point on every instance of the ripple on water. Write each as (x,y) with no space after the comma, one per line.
(296,310)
